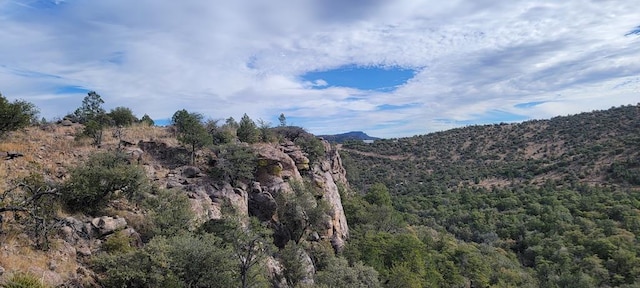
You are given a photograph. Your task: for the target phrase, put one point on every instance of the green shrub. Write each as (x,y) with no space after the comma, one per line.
(16,115)
(117,243)
(169,213)
(103,177)
(234,163)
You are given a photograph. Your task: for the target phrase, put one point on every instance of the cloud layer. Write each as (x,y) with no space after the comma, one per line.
(477,61)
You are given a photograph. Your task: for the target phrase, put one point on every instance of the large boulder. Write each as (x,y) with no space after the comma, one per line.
(274,165)
(106,225)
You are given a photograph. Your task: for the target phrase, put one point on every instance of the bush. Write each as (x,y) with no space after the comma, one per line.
(102,178)
(234,163)
(338,273)
(23,280)
(117,243)
(123,116)
(147,267)
(170,213)
(180,261)
(16,115)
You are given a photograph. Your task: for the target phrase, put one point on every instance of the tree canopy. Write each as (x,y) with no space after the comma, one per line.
(16,115)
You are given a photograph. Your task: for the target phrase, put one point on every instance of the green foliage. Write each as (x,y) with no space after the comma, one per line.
(147,120)
(180,261)
(103,177)
(294,268)
(265,132)
(191,131)
(123,116)
(118,242)
(339,273)
(202,261)
(90,109)
(170,213)
(247,130)
(234,163)
(147,267)
(223,134)
(627,171)
(249,245)
(94,130)
(378,194)
(494,216)
(23,280)
(298,212)
(16,115)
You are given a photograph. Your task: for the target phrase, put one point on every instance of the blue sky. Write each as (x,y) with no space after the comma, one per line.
(389,68)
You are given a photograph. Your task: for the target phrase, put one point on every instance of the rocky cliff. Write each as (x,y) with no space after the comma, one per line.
(275,168)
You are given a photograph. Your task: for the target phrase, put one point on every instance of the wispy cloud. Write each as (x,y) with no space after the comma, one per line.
(474,61)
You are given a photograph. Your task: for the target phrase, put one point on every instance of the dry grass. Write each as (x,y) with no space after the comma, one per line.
(17,255)
(50,151)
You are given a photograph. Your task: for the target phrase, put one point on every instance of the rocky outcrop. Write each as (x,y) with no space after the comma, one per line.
(277,165)
(327,175)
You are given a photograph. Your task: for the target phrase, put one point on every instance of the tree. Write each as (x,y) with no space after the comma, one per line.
(247,130)
(201,261)
(283,120)
(292,257)
(379,195)
(33,203)
(220,134)
(234,163)
(298,212)
(147,120)
(191,132)
(122,116)
(103,177)
(94,128)
(266,135)
(93,116)
(340,274)
(16,115)
(249,245)
(90,109)
(169,213)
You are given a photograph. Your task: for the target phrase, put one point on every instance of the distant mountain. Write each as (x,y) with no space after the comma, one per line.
(353,135)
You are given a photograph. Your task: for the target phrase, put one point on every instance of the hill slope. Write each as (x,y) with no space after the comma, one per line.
(557,199)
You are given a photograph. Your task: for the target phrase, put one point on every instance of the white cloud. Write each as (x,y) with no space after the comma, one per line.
(226,58)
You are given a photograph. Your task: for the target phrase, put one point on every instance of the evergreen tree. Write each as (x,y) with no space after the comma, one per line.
(191,132)
(247,130)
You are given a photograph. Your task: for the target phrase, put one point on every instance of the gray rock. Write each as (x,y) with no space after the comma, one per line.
(190,171)
(262,205)
(107,225)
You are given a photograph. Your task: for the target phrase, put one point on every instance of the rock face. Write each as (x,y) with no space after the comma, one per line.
(328,174)
(276,166)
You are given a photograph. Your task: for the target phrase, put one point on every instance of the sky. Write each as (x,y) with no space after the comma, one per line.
(388,68)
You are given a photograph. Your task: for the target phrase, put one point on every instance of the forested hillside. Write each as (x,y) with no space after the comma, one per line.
(549,203)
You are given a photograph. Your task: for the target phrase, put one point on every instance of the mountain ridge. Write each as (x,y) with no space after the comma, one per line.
(353,135)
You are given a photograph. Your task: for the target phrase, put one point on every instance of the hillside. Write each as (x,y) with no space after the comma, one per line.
(74,214)
(546,203)
(558,196)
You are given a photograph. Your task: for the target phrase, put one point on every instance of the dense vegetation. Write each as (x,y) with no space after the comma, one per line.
(169,248)
(552,203)
(546,203)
